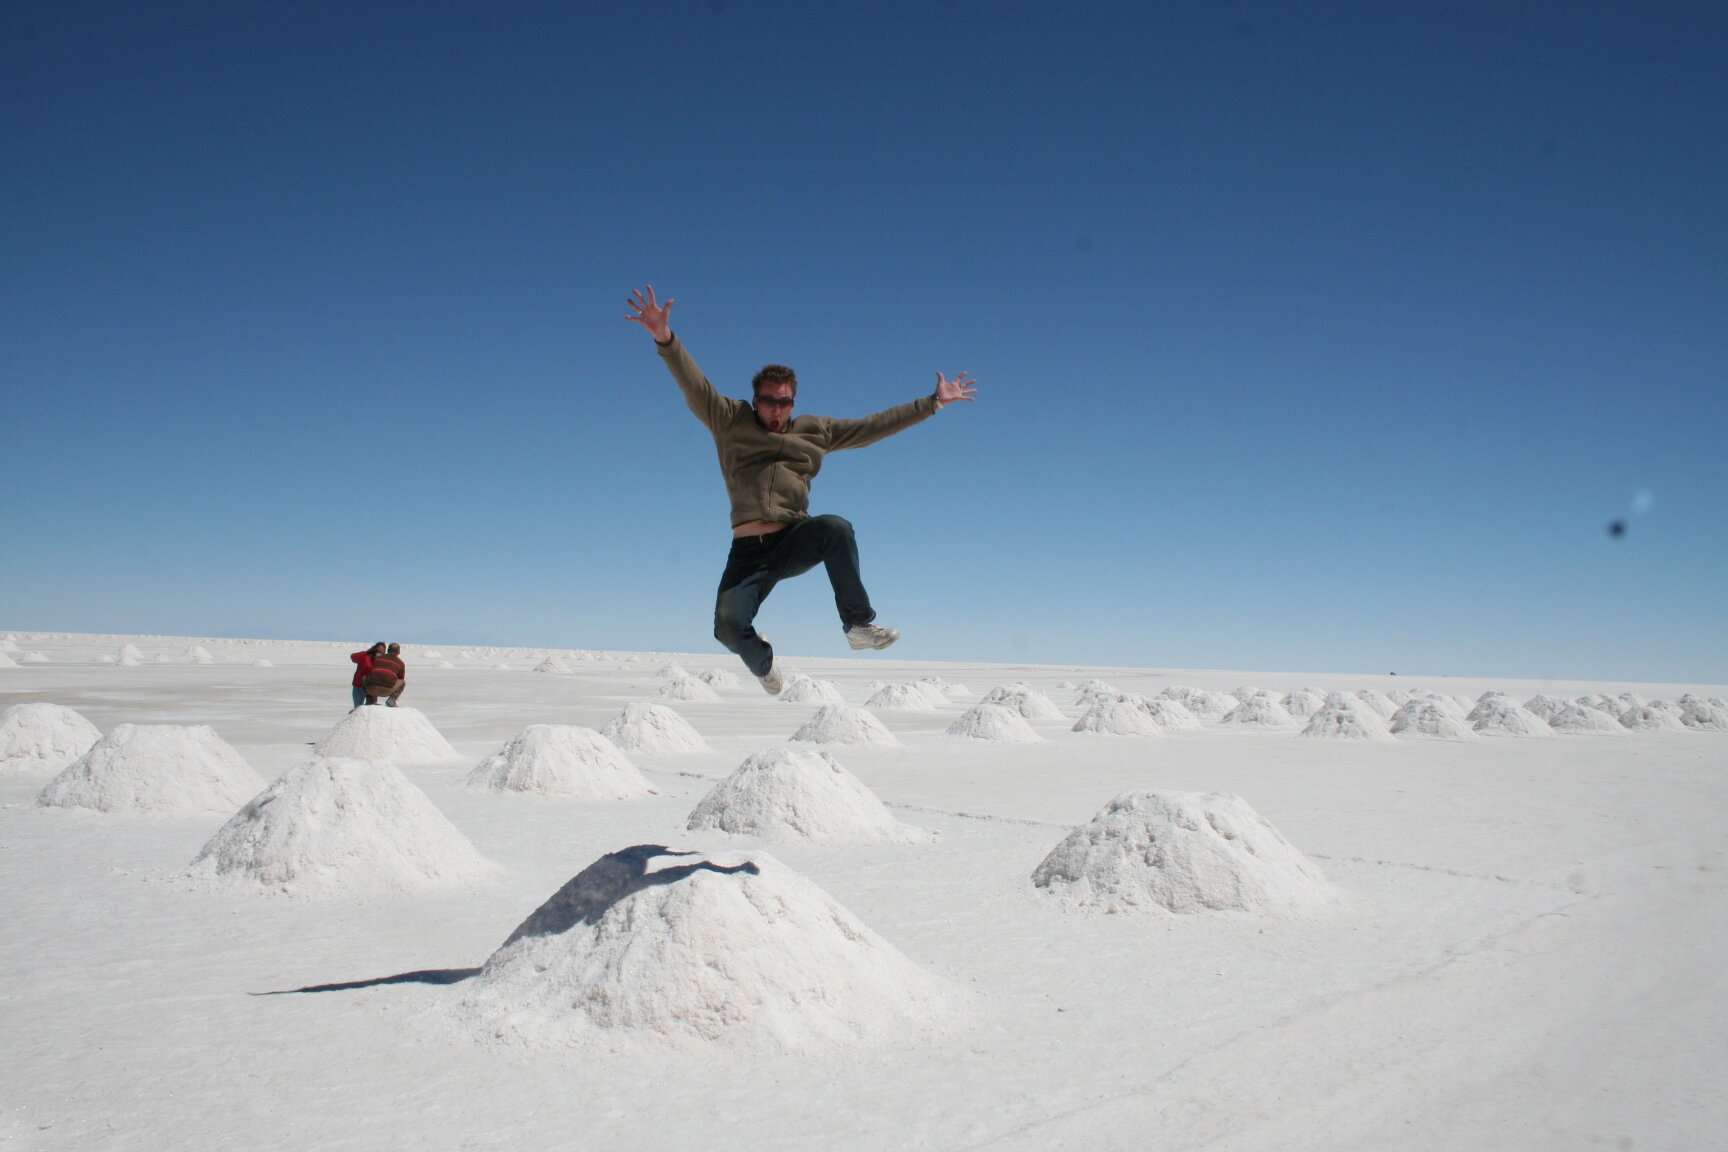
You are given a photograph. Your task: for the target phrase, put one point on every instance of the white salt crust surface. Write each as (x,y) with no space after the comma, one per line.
(1532,946)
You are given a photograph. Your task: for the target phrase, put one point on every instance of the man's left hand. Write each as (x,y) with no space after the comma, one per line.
(960,388)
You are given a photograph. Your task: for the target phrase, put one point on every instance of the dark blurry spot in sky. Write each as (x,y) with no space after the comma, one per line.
(1616,528)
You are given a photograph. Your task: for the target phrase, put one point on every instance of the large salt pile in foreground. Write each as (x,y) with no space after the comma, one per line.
(1184,852)
(843,724)
(1343,717)
(987,721)
(376,732)
(652,728)
(156,769)
(737,949)
(561,760)
(787,795)
(340,826)
(39,738)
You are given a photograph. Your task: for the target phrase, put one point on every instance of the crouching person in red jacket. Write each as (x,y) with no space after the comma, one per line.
(363,664)
(388,677)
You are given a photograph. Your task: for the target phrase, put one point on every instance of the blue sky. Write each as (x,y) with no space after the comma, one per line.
(1322,337)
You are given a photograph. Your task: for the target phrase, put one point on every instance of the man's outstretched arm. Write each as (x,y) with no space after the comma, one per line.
(857,433)
(651,314)
(704,400)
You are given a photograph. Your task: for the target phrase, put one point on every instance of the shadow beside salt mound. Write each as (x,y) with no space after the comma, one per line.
(736,949)
(788,795)
(987,721)
(641,727)
(377,732)
(158,770)
(43,738)
(336,826)
(843,724)
(561,760)
(1184,852)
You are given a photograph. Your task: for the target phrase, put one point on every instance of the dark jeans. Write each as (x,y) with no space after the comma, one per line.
(757,563)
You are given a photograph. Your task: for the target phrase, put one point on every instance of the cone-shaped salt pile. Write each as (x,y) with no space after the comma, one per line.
(1506,717)
(717,678)
(199,655)
(1118,718)
(1184,852)
(1028,701)
(1260,710)
(339,826)
(786,795)
(672,671)
(986,721)
(41,738)
(952,692)
(399,735)
(1545,706)
(652,728)
(156,769)
(1703,714)
(1301,705)
(9,646)
(1579,720)
(1343,717)
(1418,719)
(552,665)
(33,658)
(1488,704)
(1208,704)
(1171,715)
(1649,718)
(843,724)
(128,656)
(687,688)
(1382,706)
(805,690)
(906,698)
(561,760)
(735,949)
(7,661)
(1087,693)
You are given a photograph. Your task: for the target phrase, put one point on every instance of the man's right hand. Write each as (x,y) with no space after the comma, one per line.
(651,314)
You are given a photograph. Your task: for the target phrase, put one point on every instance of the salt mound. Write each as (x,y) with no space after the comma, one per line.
(561,760)
(1303,704)
(801,689)
(987,721)
(263,664)
(1418,718)
(1651,719)
(786,795)
(1089,692)
(957,693)
(339,826)
(1507,717)
(39,738)
(1184,852)
(33,658)
(1576,718)
(718,678)
(1204,704)
(672,671)
(1171,715)
(431,654)
(443,664)
(128,656)
(1382,705)
(916,697)
(552,664)
(1027,701)
(843,724)
(687,688)
(502,667)
(1604,702)
(1489,704)
(1545,706)
(1343,717)
(7,661)
(156,769)
(375,732)
(1118,718)
(652,728)
(106,658)
(736,949)
(1261,710)
(8,646)
(199,655)
(1700,713)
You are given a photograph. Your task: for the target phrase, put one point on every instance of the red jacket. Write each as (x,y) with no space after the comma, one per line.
(364,660)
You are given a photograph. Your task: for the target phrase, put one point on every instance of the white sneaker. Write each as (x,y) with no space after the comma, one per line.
(773,683)
(870,636)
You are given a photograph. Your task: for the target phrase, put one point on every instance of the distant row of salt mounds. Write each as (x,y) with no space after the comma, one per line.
(1185,853)
(787,795)
(338,825)
(42,738)
(375,732)
(561,760)
(733,948)
(158,770)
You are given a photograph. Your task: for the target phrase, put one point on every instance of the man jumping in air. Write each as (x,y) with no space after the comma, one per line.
(769,458)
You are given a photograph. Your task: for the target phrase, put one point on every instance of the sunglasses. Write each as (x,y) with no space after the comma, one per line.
(774,402)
